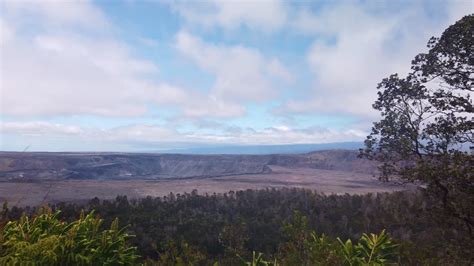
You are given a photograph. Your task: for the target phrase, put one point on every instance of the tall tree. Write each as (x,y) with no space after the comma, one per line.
(426,126)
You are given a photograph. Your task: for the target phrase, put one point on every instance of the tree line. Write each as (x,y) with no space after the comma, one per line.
(218,227)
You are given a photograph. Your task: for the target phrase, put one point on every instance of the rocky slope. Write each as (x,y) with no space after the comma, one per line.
(46,166)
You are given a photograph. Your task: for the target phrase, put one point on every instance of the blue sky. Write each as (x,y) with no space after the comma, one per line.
(151,75)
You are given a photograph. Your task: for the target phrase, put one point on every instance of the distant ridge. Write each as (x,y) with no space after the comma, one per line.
(33,166)
(266,149)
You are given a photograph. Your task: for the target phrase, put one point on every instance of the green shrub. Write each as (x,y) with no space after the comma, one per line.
(258,260)
(305,247)
(181,254)
(371,250)
(46,240)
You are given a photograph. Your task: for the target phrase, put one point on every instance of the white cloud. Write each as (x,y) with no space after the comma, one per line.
(143,133)
(277,69)
(264,15)
(285,135)
(156,134)
(195,105)
(66,71)
(241,73)
(67,74)
(6,33)
(57,13)
(39,128)
(356,48)
(65,59)
(456,9)
(306,22)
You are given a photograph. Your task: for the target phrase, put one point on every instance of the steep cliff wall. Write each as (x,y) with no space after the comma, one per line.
(40,166)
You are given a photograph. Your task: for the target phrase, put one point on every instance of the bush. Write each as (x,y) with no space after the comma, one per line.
(45,240)
(305,247)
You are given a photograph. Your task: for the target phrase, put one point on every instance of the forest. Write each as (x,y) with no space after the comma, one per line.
(228,228)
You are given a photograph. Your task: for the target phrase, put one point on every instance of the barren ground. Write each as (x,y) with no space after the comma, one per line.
(326,181)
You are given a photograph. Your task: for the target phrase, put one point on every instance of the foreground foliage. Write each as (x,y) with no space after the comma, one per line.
(306,247)
(371,250)
(45,240)
(194,229)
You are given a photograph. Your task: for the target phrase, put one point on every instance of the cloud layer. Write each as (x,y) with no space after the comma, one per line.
(229,72)
(361,47)
(68,72)
(241,74)
(265,15)
(153,136)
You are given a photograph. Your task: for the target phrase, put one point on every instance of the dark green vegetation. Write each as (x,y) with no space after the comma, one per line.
(216,228)
(427,122)
(45,240)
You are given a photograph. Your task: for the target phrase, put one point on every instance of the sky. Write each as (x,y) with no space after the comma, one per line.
(140,75)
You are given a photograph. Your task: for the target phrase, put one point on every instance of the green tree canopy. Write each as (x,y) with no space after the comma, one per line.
(426,126)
